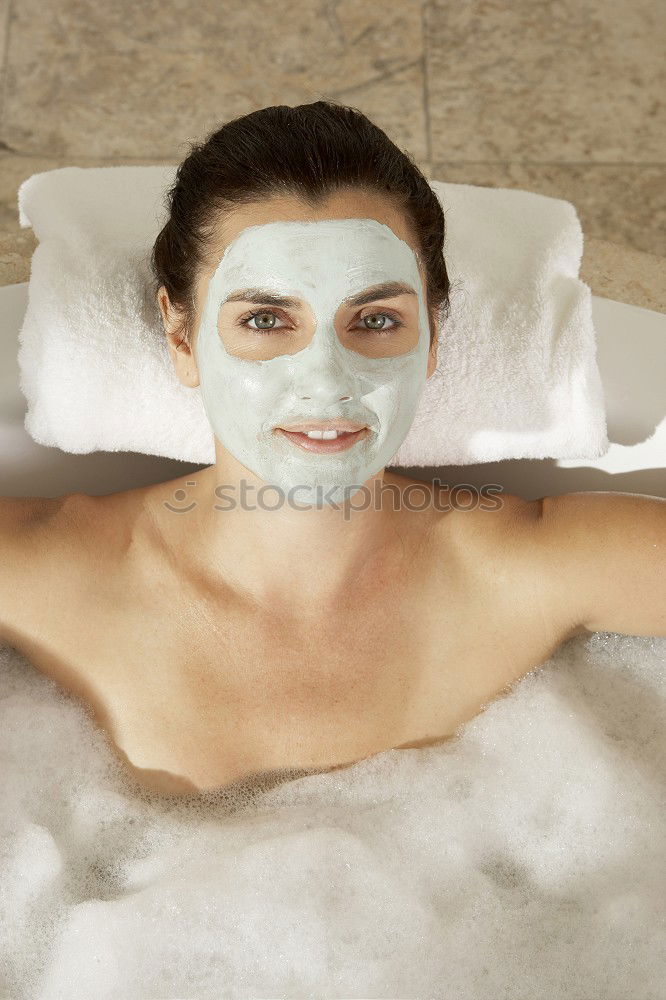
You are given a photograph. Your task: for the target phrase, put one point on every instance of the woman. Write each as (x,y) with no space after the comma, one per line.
(255,615)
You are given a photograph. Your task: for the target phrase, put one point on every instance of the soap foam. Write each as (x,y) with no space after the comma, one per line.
(522,859)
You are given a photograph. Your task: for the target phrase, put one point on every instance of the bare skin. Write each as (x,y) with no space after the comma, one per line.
(215,644)
(199,686)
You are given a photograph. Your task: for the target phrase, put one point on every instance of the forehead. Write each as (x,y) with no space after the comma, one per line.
(310,255)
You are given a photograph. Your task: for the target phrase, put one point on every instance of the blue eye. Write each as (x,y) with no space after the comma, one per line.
(269,329)
(383,329)
(259,329)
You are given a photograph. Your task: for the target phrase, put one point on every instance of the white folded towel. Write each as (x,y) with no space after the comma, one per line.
(517,370)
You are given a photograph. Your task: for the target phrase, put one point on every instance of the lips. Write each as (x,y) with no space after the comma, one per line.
(341,443)
(323,425)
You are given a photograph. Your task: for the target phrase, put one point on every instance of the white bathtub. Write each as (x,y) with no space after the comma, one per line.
(525,858)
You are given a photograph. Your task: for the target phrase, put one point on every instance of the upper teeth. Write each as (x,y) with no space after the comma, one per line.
(325,435)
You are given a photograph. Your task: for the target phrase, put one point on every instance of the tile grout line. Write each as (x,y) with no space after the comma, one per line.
(551,163)
(5,65)
(425,6)
(336,94)
(167,159)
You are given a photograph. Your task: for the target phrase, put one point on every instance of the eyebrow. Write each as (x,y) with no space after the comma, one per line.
(264,296)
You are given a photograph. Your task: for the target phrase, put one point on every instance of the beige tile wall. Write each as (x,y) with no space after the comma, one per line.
(562,98)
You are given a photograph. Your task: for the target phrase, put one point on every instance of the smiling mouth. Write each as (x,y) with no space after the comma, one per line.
(324,445)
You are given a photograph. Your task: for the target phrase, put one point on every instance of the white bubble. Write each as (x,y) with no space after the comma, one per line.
(523,858)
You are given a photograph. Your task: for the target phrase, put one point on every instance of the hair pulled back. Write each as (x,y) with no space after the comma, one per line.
(309,151)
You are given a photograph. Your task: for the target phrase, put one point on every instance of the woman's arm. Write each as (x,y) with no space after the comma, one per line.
(608,551)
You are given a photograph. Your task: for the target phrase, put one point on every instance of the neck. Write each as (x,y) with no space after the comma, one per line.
(281,555)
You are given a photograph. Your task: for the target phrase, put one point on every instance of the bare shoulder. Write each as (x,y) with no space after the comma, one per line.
(512,552)
(25,521)
(45,544)
(467,516)
(496,522)
(27,526)
(606,552)
(494,533)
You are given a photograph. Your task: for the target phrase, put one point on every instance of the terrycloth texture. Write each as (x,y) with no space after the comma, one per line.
(517,370)
(524,859)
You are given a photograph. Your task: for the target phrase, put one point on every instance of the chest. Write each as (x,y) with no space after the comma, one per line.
(195,693)
(214,696)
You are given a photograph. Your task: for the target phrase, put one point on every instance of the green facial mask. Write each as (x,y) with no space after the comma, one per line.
(344,371)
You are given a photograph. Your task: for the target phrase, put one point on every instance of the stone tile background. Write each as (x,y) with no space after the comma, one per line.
(564,98)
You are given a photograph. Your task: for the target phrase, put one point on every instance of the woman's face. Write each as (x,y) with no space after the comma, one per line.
(340,331)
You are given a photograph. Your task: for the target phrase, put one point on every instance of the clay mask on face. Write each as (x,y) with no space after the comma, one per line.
(321,264)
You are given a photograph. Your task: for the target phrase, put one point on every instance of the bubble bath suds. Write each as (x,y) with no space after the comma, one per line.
(525,858)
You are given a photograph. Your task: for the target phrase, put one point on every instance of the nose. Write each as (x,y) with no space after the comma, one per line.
(324,380)
(324,394)
(323,374)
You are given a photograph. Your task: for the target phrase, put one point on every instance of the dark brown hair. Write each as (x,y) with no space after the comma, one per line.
(309,151)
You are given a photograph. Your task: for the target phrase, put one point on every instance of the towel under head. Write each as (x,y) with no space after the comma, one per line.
(517,373)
